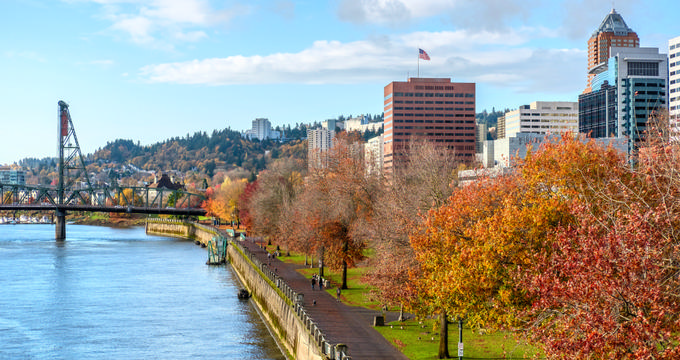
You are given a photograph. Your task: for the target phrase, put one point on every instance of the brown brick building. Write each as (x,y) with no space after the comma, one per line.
(612,32)
(429,108)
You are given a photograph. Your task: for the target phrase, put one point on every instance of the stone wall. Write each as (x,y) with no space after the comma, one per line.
(181,229)
(281,307)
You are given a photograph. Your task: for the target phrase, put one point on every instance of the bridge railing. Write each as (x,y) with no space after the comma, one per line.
(105,196)
(333,351)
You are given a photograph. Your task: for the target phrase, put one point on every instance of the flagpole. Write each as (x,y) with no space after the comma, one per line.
(418,62)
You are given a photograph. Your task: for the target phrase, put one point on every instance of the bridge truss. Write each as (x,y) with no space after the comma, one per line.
(74,190)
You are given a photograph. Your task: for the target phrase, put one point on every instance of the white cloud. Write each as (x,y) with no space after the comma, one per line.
(139,28)
(472,15)
(473,57)
(164,22)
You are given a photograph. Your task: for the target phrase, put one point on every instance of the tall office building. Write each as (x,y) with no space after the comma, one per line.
(542,117)
(319,141)
(612,32)
(11,176)
(433,109)
(632,84)
(528,125)
(674,85)
(373,154)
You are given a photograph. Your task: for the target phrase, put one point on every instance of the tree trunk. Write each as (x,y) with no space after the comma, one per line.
(344,275)
(443,336)
(306,262)
(321,263)
(345,247)
(401,313)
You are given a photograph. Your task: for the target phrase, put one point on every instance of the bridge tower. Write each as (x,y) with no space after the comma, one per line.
(71,167)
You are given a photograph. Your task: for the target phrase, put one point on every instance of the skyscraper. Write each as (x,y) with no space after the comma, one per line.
(612,32)
(433,109)
(630,86)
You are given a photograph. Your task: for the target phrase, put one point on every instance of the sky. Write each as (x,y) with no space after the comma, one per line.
(150,70)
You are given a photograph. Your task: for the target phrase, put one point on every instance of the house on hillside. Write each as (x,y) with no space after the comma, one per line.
(162,188)
(166,183)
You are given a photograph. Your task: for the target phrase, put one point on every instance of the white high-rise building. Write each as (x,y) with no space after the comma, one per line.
(527,126)
(674,85)
(542,117)
(373,154)
(261,130)
(319,141)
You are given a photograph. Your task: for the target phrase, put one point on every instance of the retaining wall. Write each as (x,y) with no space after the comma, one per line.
(282,308)
(180,228)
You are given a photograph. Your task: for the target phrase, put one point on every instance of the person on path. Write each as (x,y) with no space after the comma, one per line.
(321,283)
(313,282)
(337,292)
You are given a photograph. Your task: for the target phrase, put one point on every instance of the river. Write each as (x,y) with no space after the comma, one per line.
(109,293)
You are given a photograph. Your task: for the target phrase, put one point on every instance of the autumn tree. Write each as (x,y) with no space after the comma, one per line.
(424,180)
(488,231)
(244,202)
(277,186)
(300,219)
(225,199)
(608,284)
(339,197)
(128,197)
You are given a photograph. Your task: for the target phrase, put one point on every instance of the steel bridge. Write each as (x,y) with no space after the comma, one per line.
(74,190)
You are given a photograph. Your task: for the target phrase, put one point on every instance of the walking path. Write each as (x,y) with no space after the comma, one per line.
(349,325)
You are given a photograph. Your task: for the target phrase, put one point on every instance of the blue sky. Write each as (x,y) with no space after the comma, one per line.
(148,70)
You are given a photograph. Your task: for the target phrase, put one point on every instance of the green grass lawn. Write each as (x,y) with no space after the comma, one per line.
(420,340)
(415,339)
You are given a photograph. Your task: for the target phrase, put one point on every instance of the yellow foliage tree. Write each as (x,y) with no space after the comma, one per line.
(224,201)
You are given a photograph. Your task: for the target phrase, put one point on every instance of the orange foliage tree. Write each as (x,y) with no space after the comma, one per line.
(471,249)
(223,200)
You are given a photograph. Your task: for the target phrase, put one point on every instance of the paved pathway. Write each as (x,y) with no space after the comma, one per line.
(340,323)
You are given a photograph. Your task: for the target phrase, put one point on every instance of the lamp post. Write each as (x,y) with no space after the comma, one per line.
(460,339)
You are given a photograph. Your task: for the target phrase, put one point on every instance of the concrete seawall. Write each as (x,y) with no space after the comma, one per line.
(181,229)
(279,305)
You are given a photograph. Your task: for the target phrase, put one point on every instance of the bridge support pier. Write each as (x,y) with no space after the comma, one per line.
(60,225)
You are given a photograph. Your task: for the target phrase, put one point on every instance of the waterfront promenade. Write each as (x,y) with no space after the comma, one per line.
(349,325)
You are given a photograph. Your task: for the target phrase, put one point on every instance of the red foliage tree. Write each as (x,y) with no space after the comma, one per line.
(245,213)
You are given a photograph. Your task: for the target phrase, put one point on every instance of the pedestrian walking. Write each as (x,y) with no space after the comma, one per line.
(337,292)
(313,282)
(320,283)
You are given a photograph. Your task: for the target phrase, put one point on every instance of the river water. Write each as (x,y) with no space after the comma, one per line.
(119,294)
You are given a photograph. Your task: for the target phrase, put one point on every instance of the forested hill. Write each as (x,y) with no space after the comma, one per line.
(197,156)
(199,152)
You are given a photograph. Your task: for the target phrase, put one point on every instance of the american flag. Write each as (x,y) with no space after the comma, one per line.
(423,55)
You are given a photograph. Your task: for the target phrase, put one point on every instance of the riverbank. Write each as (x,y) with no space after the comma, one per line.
(84,218)
(102,219)
(310,325)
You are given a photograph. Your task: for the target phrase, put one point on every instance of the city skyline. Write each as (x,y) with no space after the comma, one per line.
(151,70)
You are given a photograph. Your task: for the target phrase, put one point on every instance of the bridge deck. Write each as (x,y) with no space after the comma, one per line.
(113,209)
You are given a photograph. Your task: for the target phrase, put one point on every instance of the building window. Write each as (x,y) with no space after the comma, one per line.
(643,68)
